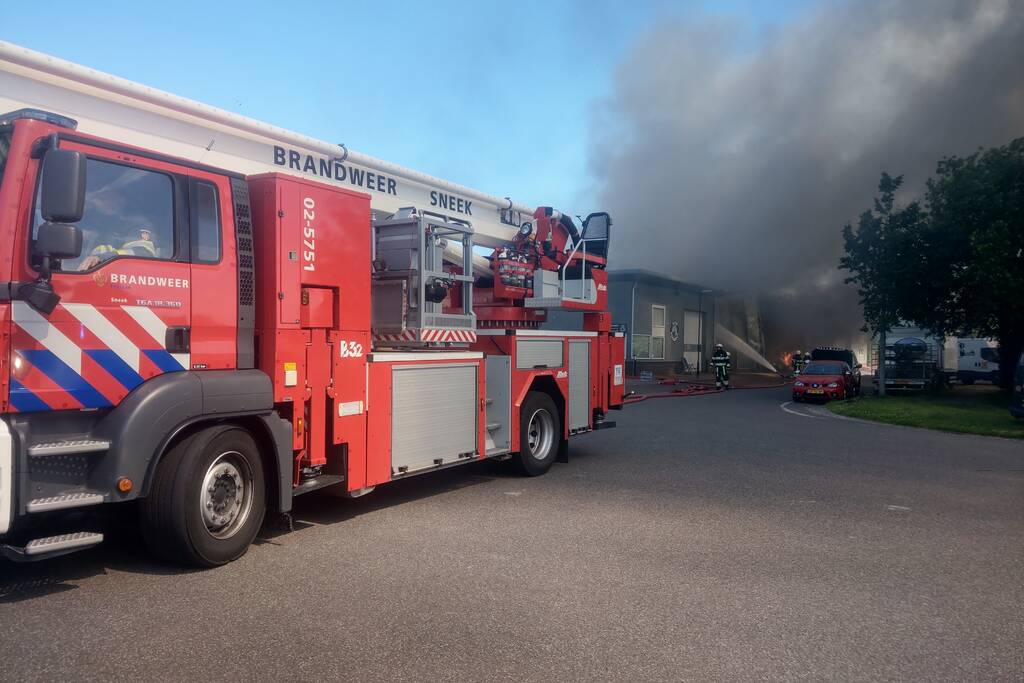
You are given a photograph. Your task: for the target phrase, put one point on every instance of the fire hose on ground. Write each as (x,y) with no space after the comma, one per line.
(694,389)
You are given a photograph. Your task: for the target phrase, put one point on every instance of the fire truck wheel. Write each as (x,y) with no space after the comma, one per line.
(540,433)
(208,498)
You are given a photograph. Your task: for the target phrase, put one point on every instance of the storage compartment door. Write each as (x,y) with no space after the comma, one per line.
(538,353)
(579,385)
(434,415)
(498,437)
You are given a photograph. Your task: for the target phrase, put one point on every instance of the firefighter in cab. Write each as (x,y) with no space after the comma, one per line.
(799,361)
(138,244)
(721,360)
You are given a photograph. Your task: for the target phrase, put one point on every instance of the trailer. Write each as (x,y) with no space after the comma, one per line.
(914,359)
(211,316)
(912,363)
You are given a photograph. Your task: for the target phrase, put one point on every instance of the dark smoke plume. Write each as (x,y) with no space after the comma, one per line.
(735,164)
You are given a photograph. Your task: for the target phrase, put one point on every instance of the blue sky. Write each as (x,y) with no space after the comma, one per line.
(494,95)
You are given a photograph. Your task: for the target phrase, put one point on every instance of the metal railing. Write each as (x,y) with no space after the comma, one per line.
(583,269)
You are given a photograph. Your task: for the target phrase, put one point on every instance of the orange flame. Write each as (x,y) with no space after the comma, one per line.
(787,359)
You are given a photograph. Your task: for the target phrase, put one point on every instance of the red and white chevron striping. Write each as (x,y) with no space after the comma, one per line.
(428,335)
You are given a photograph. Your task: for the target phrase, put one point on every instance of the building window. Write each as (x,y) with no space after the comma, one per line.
(657,332)
(641,345)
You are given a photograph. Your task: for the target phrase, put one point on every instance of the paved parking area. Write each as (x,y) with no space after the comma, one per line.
(709,537)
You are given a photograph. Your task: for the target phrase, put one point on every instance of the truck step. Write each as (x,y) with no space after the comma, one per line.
(320,482)
(491,426)
(52,546)
(64,502)
(66,447)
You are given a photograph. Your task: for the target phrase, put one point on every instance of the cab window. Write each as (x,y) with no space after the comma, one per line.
(5,148)
(206,237)
(129,213)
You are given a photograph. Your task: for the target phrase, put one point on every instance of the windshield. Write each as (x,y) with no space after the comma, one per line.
(833,354)
(822,369)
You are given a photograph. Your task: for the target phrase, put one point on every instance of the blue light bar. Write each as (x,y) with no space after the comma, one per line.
(38,115)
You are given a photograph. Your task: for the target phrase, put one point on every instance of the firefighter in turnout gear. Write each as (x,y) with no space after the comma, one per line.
(799,361)
(143,247)
(721,360)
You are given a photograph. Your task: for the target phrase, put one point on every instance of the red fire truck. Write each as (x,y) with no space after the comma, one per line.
(210,316)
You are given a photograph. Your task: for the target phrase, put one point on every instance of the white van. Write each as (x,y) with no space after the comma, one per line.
(978,360)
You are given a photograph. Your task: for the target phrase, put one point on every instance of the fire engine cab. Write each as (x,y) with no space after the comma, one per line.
(212,316)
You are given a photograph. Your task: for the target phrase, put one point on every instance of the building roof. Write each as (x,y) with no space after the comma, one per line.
(653,278)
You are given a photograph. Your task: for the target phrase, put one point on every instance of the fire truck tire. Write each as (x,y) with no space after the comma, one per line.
(540,434)
(208,498)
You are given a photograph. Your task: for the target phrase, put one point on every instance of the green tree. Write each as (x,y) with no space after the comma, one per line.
(970,272)
(880,257)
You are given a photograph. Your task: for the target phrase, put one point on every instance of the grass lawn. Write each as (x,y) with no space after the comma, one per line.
(969,410)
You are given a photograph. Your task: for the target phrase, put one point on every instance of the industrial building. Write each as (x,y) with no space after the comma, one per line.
(672,325)
(669,323)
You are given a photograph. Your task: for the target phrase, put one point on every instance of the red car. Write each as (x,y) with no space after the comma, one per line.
(824,380)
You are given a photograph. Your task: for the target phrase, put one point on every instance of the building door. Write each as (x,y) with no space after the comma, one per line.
(691,338)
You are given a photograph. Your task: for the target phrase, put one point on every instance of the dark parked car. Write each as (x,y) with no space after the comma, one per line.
(823,381)
(845,355)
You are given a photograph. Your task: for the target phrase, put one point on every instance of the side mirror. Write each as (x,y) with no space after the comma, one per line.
(62,201)
(58,240)
(858,366)
(53,241)
(596,226)
(63,186)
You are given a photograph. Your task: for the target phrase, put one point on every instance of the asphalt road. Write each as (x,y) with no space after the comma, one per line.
(711,537)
